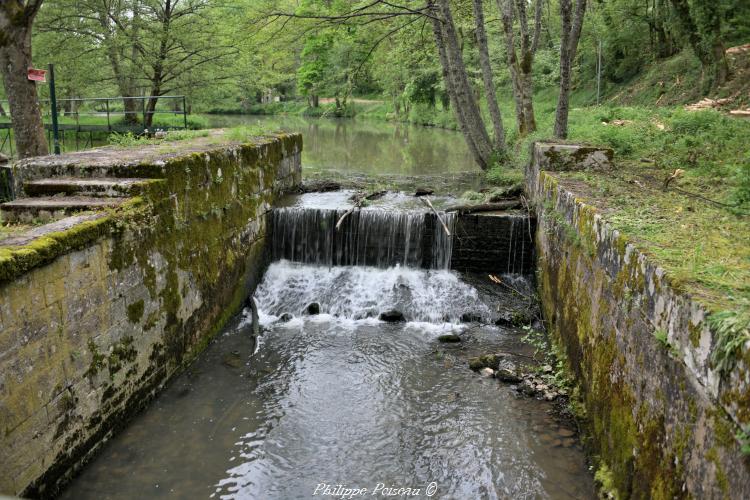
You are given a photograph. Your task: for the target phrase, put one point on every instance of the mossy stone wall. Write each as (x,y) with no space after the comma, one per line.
(658,416)
(90,331)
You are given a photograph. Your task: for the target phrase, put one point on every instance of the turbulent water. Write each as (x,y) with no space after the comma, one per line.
(333,399)
(434,296)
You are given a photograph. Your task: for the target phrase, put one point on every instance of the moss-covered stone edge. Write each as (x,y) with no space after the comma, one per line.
(617,423)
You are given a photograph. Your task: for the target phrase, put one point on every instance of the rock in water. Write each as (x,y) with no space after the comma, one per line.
(423,191)
(449,337)
(392,316)
(313,308)
(487,372)
(486,361)
(285,317)
(232,360)
(507,372)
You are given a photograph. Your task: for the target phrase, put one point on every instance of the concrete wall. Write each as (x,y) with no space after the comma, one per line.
(661,419)
(108,311)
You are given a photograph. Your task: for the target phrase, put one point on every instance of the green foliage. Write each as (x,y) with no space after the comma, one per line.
(605,479)
(732,330)
(744,438)
(127,139)
(245,133)
(472,196)
(501,175)
(742,179)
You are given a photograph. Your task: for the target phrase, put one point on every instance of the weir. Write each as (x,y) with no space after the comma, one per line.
(497,242)
(369,237)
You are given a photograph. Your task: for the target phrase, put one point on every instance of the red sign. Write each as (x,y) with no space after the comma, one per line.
(37,75)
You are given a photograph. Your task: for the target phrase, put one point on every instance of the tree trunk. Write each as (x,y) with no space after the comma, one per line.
(570,34)
(450,87)
(489,87)
(2,110)
(521,70)
(23,102)
(466,106)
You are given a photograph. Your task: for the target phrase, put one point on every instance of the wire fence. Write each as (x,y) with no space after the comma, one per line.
(88,122)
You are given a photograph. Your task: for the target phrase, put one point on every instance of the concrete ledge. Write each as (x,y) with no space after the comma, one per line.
(661,418)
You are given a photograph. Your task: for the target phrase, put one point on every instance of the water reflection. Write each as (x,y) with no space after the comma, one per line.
(368,147)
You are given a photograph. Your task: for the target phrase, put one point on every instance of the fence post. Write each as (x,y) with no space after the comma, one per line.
(53,102)
(109,127)
(184,110)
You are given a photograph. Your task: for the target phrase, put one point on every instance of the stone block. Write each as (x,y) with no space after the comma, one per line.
(564,157)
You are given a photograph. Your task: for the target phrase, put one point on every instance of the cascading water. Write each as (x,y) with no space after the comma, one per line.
(442,248)
(367,237)
(434,296)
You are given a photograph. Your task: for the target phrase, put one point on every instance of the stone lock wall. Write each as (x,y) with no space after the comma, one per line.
(95,319)
(660,419)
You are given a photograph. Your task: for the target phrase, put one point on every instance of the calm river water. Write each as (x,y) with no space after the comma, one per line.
(365,146)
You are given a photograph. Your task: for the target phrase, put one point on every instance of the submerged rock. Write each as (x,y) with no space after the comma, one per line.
(449,337)
(392,316)
(285,317)
(232,360)
(313,308)
(421,191)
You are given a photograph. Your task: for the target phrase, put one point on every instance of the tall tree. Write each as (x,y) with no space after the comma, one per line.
(521,59)
(701,22)
(490,94)
(463,100)
(16,20)
(569,36)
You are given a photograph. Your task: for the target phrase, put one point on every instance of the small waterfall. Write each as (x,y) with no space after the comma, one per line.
(367,237)
(442,248)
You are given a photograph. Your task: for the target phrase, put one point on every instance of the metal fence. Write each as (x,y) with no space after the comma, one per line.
(87,122)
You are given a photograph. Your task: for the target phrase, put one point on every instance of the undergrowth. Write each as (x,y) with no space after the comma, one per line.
(732,329)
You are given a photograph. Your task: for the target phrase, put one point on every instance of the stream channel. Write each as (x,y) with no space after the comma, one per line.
(341,397)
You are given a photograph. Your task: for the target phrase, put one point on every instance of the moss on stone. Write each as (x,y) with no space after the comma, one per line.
(135,311)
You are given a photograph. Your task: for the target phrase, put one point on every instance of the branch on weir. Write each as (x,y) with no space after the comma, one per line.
(427,202)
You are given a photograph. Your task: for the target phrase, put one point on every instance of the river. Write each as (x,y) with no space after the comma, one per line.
(339,402)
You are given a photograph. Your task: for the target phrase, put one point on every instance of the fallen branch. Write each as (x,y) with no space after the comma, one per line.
(427,202)
(674,175)
(358,204)
(486,207)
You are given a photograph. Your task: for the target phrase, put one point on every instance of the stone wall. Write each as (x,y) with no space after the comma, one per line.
(95,319)
(661,420)
(494,242)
